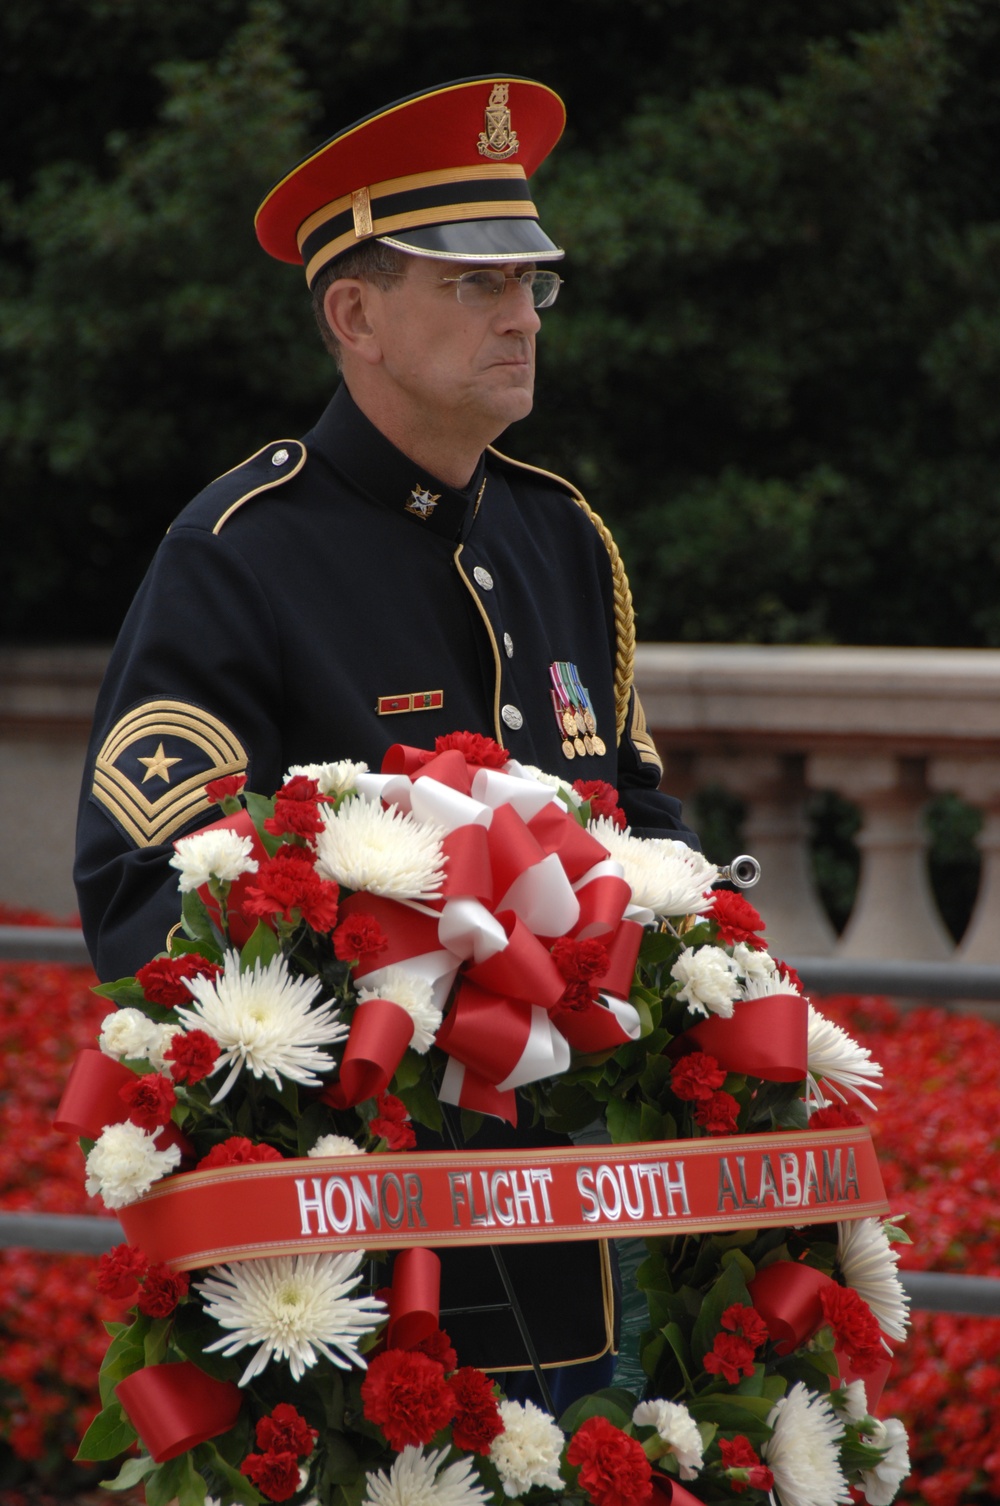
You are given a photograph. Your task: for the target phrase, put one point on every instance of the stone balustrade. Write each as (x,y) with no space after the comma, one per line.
(887,729)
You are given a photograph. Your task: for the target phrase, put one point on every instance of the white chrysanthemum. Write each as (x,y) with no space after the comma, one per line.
(415,995)
(882,1483)
(294,1307)
(868,1263)
(803,1450)
(675,1425)
(164,1035)
(365,845)
(335,1145)
(710,980)
(262,1020)
(413,1480)
(838,1061)
(850,1401)
(528,1451)
(128,1035)
(331,778)
(553,782)
(221,855)
(665,876)
(124,1163)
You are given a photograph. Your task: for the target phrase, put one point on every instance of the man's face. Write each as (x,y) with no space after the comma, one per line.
(444,361)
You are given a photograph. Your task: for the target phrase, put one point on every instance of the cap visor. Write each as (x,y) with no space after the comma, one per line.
(478,240)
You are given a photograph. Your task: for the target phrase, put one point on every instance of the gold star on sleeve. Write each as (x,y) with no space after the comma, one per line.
(158,765)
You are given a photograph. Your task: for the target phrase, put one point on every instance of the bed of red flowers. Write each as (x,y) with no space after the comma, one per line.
(938,1138)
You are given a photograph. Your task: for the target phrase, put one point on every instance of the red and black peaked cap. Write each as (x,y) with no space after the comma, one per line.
(443,173)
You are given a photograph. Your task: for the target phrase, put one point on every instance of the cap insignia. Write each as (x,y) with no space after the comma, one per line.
(498,141)
(422,502)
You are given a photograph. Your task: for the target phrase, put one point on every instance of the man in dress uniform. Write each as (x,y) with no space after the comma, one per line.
(390,576)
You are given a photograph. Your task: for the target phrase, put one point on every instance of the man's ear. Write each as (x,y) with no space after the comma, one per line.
(345,304)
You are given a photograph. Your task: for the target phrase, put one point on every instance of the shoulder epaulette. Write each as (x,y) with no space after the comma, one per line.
(624,613)
(271,466)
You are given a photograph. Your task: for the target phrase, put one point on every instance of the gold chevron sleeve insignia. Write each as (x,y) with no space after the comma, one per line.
(151,772)
(640,736)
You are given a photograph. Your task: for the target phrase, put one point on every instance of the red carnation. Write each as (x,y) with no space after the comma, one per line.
(855,1327)
(730,1357)
(474,748)
(226,788)
(296,809)
(357,937)
(790,975)
(739,1454)
(580,961)
(288,882)
(437,1346)
(119,1272)
(192,1055)
(746,1321)
(736,919)
(275,1475)
(696,1077)
(161,1291)
(834,1116)
(285,1432)
(149,1100)
(477,1421)
(603,799)
(718,1114)
(162,980)
(238,1151)
(392,1122)
(614,1471)
(406,1394)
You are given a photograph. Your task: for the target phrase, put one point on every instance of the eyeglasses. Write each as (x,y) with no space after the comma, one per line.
(480,288)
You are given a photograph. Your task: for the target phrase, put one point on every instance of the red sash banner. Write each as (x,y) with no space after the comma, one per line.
(437,1198)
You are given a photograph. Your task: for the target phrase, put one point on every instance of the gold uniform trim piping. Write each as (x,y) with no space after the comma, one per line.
(624,611)
(497,661)
(414,181)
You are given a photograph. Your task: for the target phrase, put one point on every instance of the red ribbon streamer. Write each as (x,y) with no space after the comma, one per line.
(380,1033)
(788,1297)
(670,1492)
(766,1037)
(175,1407)
(415,1300)
(92,1100)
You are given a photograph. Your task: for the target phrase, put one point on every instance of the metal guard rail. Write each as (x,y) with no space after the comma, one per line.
(80,1234)
(822,975)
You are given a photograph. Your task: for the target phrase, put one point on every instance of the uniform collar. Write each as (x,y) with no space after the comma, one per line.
(362,455)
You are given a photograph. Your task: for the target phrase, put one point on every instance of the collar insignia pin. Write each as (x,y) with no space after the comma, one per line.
(422,502)
(498,141)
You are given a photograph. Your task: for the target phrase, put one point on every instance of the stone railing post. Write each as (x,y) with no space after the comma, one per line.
(977,782)
(776,833)
(894,914)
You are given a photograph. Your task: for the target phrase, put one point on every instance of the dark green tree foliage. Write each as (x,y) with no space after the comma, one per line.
(773,367)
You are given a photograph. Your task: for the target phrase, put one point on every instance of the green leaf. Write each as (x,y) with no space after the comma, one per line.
(125,1354)
(131,1472)
(126,993)
(200,927)
(624,1121)
(157,1341)
(614,1404)
(165,1483)
(261,808)
(109,1435)
(262,947)
(730,1288)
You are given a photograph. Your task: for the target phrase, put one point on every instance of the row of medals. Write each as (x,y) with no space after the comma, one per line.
(581,732)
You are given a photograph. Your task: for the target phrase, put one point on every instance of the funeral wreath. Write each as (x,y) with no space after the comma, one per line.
(453,936)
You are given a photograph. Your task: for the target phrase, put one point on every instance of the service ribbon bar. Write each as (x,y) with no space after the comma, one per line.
(665,1187)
